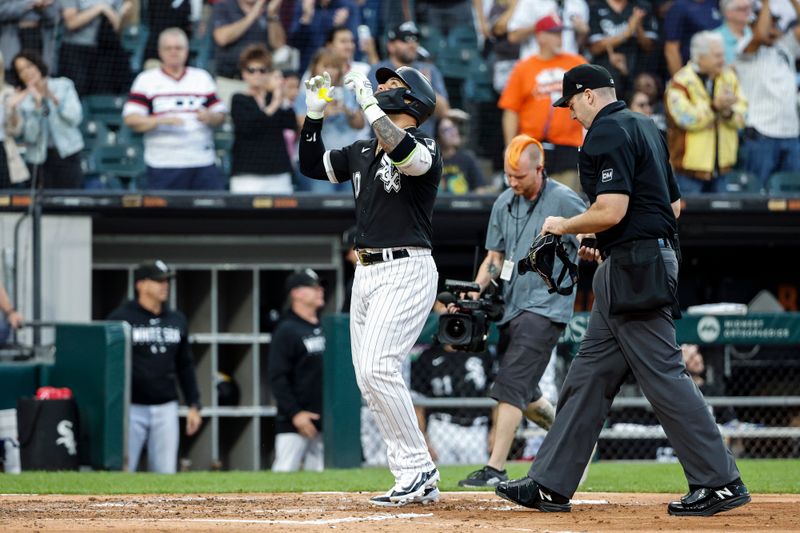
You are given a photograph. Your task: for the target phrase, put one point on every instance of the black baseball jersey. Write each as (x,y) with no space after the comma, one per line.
(161,353)
(441,374)
(393,207)
(624,153)
(295,369)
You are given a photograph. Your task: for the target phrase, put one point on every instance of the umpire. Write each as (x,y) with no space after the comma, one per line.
(624,169)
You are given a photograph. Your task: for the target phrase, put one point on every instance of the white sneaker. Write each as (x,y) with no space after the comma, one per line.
(422,488)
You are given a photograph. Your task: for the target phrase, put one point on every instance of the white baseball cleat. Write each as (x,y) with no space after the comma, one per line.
(422,488)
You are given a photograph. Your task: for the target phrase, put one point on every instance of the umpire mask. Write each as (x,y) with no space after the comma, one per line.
(541,258)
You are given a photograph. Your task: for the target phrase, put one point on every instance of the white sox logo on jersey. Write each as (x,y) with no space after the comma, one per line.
(178,103)
(389,175)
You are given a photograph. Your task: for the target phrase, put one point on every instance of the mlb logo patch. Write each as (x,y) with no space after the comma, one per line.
(606,175)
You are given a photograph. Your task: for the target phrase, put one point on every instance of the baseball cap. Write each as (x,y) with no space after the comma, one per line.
(548,23)
(302,278)
(582,77)
(156,270)
(407,31)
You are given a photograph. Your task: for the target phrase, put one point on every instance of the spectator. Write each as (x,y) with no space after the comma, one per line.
(261,163)
(291,90)
(460,171)
(51,118)
(176,108)
(650,85)
(527,100)
(684,19)
(295,370)
(344,120)
(460,435)
(402,47)
(163,14)
(735,27)
(767,74)
(621,32)
(574,13)
(240,23)
(161,353)
(28,25)
(340,41)
(12,167)
(91,54)
(521,25)
(705,111)
(640,103)
(505,54)
(312,21)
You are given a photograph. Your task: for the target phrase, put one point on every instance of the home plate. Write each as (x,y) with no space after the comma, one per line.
(589,502)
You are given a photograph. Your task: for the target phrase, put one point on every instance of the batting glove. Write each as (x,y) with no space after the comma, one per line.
(318,93)
(360,84)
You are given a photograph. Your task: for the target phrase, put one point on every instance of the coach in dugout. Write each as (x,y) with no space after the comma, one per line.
(176,108)
(159,338)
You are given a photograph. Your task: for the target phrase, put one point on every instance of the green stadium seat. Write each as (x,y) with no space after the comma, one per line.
(455,58)
(134,41)
(433,41)
(127,137)
(96,133)
(784,182)
(478,85)
(124,162)
(739,181)
(105,108)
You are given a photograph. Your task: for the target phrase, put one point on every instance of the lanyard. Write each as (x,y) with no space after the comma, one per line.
(517,230)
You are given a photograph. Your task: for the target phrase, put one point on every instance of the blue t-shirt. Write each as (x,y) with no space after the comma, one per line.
(687,17)
(512,229)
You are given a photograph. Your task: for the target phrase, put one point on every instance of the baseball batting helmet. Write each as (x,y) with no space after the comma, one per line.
(420,93)
(541,258)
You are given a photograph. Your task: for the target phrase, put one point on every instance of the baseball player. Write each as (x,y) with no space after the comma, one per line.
(459,435)
(395,178)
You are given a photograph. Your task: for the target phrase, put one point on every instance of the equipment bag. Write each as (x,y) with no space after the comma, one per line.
(48,434)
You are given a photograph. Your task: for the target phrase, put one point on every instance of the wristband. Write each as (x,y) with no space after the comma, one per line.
(373,113)
(315,115)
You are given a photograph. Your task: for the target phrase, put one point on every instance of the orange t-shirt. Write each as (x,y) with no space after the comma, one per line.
(531,90)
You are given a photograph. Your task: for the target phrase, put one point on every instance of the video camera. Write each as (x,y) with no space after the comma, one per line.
(468,329)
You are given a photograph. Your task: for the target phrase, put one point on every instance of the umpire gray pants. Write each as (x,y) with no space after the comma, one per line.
(645,344)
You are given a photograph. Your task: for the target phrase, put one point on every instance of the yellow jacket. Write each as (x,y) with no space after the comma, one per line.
(697,135)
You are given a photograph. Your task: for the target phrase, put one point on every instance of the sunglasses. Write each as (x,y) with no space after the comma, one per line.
(260,70)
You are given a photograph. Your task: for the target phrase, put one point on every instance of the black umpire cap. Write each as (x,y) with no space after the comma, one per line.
(577,79)
(156,270)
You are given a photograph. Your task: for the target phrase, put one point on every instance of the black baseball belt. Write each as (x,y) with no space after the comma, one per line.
(370,258)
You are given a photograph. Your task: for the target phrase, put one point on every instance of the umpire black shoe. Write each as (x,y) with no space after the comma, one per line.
(528,493)
(485,477)
(421,488)
(705,501)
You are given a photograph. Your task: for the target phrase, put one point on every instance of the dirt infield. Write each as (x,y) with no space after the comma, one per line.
(455,513)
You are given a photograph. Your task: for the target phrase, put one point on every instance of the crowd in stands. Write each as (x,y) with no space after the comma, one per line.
(208,94)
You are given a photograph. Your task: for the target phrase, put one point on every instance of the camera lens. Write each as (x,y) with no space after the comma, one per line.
(456,328)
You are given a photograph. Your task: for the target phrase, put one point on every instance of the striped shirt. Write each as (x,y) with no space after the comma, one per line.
(190,144)
(767,80)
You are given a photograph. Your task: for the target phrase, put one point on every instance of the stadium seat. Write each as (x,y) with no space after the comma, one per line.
(105,108)
(127,137)
(201,48)
(739,181)
(134,40)
(95,133)
(433,41)
(123,162)
(784,182)
(478,85)
(455,58)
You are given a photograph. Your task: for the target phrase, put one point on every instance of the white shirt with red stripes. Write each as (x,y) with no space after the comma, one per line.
(190,144)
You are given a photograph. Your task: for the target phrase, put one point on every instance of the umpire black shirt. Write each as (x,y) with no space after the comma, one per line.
(161,354)
(295,370)
(623,153)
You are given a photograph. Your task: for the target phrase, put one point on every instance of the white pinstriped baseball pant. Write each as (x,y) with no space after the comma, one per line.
(389,306)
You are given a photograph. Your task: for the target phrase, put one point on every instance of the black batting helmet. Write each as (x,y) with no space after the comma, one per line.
(419,91)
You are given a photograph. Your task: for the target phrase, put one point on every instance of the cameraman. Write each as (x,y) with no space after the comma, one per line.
(533,319)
